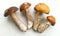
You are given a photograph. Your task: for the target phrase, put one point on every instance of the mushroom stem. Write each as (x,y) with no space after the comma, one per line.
(29,19)
(43,25)
(18,22)
(37,20)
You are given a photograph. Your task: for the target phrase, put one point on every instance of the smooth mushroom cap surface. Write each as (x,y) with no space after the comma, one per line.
(51,19)
(10,10)
(41,7)
(24,6)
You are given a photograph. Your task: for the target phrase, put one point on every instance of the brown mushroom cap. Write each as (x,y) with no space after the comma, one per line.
(10,10)
(51,19)
(41,7)
(24,6)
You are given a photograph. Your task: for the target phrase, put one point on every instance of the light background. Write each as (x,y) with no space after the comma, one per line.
(8,27)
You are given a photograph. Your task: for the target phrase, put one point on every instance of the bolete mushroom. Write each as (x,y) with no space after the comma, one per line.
(46,23)
(51,19)
(24,8)
(40,9)
(11,11)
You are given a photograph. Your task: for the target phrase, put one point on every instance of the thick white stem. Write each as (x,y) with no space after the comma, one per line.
(43,26)
(40,24)
(29,19)
(18,22)
(37,21)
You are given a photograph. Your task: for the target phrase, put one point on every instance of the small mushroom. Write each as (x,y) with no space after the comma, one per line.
(11,11)
(44,24)
(40,9)
(24,8)
(51,19)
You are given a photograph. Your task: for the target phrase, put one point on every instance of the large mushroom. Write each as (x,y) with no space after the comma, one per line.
(24,8)
(11,11)
(40,8)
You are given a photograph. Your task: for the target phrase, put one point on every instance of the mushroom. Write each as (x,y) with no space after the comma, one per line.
(24,8)
(11,11)
(40,9)
(46,23)
(51,19)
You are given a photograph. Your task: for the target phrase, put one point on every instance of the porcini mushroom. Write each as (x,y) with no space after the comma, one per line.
(40,9)
(24,8)
(11,11)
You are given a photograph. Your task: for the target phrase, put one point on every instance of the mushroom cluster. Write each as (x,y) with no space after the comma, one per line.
(41,24)
(38,24)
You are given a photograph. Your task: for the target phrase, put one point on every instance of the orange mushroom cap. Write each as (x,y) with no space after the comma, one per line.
(51,19)
(41,7)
